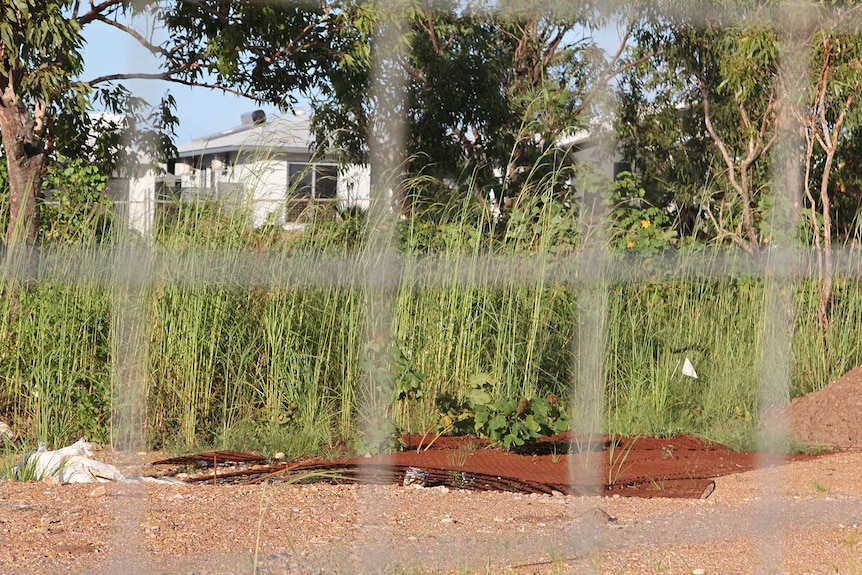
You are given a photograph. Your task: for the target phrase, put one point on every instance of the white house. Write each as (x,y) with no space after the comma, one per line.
(265,166)
(596,145)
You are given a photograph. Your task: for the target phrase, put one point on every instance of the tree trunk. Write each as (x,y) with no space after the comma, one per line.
(827,267)
(26,157)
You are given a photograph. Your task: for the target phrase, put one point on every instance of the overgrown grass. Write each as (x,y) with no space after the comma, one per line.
(54,361)
(655,327)
(280,367)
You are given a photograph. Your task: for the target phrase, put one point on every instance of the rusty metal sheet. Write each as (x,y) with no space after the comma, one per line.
(208,457)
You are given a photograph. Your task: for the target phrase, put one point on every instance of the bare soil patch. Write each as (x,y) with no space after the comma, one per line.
(832,416)
(680,466)
(755,515)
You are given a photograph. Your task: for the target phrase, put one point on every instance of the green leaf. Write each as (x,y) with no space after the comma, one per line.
(497,424)
(477,397)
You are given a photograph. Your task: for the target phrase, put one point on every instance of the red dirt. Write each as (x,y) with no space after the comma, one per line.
(681,466)
(645,467)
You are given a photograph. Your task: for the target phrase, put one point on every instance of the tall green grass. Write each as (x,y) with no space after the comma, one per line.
(55,360)
(516,335)
(281,367)
(654,327)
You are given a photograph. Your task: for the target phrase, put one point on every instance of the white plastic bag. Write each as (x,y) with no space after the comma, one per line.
(71,464)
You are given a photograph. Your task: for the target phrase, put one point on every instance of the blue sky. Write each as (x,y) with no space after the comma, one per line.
(201,112)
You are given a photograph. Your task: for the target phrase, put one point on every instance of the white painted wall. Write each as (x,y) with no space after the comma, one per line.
(265,185)
(142,205)
(264,182)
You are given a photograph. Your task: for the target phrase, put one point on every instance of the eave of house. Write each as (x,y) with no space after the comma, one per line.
(288,135)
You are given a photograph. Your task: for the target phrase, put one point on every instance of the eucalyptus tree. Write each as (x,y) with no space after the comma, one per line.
(704,118)
(490,86)
(829,113)
(702,115)
(265,51)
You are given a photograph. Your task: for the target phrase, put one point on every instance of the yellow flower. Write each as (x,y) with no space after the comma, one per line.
(630,244)
(645,224)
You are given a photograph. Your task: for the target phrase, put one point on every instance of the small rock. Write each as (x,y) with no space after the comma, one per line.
(447,519)
(415,477)
(99,491)
(280,455)
(698,572)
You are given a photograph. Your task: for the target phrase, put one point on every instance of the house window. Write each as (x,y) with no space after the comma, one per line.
(310,186)
(300,180)
(325,181)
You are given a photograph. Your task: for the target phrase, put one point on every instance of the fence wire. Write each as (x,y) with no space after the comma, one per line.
(132,270)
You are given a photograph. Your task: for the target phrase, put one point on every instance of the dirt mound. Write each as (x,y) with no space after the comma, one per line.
(830,417)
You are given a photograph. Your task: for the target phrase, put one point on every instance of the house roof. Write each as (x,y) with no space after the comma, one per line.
(288,134)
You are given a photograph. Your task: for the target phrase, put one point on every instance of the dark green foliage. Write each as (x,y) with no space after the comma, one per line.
(75,208)
(486,93)
(385,366)
(635,225)
(510,423)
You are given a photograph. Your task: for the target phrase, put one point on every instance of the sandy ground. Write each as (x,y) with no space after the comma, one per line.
(795,517)
(802,517)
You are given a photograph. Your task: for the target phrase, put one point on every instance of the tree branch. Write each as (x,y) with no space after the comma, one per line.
(149,46)
(168,77)
(428,25)
(741,188)
(295,45)
(553,46)
(612,70)
(97,10)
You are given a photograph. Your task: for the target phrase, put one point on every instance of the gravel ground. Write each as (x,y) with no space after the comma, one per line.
(802,517)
